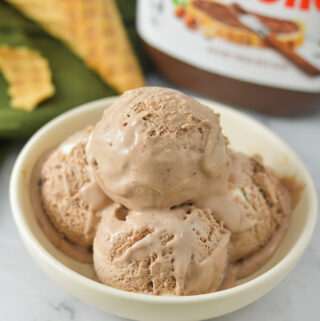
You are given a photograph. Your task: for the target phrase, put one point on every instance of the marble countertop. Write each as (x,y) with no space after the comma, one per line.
(28,294)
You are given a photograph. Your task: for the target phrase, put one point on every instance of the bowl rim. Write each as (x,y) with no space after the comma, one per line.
(288,260)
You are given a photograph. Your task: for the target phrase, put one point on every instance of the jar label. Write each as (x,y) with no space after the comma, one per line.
(273,43)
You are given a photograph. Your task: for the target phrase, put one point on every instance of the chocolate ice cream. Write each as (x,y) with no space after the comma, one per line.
(253,207)
(189,213)
(158,148)
(71,198)
(182,251)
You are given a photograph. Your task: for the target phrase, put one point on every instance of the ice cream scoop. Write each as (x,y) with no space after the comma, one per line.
(158,148)
(182,251)
(254,205)
(70,196)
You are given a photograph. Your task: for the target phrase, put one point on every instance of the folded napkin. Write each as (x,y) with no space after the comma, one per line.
(75,83)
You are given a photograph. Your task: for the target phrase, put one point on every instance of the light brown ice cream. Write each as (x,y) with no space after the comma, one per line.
(187,210)
(182,251)
(70,196)
(157,148)
(254,206)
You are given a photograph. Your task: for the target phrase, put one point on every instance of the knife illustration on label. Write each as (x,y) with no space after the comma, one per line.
(256,25)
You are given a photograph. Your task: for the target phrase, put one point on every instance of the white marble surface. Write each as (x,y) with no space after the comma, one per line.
(27,294)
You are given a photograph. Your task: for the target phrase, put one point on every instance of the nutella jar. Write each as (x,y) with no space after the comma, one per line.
(259,54)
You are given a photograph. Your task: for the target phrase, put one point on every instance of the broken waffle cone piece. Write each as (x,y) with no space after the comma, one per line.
(28,75)
(93,30)
(48,14)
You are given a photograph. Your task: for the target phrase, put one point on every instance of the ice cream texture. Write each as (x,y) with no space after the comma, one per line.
(182,251)
(254,205)
(71,197)
(190,215)
(157,148)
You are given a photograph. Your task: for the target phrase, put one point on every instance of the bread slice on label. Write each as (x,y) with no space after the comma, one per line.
(94,31)
(221,20)
(28,75)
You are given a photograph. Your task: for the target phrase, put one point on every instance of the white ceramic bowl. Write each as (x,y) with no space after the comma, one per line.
(245,134)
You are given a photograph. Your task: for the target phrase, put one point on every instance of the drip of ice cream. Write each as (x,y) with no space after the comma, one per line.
(182,251)
(157,148)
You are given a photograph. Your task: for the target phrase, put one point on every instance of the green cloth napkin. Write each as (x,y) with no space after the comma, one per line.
(75,83)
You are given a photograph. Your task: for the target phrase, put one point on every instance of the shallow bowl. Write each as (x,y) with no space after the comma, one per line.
(246,135)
